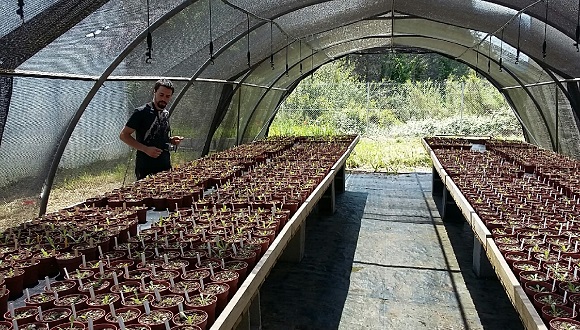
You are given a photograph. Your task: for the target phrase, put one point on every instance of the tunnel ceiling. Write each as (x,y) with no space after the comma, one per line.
(240,59)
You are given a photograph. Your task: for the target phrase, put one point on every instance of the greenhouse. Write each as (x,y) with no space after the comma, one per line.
(72,72)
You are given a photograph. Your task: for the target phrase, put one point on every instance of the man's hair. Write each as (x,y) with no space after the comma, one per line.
(165,83)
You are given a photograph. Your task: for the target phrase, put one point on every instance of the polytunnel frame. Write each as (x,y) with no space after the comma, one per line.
(74,120)
(45,193)
(393,37)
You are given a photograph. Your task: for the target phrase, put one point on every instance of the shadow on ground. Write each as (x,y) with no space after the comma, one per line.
(311,294)
(493,306)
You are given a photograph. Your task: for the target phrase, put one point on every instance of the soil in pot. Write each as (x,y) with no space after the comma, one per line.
(169,302)
(128,314)
(156,318)
(54,316)
(191,317)
(70,326)
(220,290)
(95,313)
(204,302)
(23,315)
(228,277)
(553,311)
(564,324)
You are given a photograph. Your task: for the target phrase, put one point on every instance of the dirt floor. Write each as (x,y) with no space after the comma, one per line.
(385,260)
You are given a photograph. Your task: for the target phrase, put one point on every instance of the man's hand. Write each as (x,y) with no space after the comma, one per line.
(152,152)
(176,140)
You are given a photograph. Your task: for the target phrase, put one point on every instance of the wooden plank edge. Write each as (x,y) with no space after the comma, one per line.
(246,291)
(529,316)
(459,199)
(506,277)
(480,230)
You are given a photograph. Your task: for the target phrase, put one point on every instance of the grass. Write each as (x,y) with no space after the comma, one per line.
(391,155)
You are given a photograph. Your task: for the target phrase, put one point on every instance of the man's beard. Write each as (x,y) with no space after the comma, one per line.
(161,104)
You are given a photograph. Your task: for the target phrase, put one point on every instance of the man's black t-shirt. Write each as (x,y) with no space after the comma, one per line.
(151,129)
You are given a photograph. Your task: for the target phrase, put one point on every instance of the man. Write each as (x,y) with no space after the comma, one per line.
(150,123)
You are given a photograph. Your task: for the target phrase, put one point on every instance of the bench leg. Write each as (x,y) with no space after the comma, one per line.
(327,203)
(294,251)
(340,181)
(481,265)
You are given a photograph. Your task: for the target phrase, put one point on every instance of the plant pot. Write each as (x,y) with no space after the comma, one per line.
(207,303)
(564,324)
(70,326)
(105,326)
(14,281)
(186,327)
(169,302)
(128,314)
(48,266)
(67,261)
(156,319)
(78,299)
(36,326)
(4,300)
(102,300)
(95,313)
(221,291)
(196,275)
(161,286)
(55,316)
(23,315)
(191,317)
(63,288)
(31,268)
(137,326)
(5,325)
(192,287)
(99,286)
(136,300)
(228,277)
(546,299)
(554,311)
(531,288)
(45,300)
(241,267)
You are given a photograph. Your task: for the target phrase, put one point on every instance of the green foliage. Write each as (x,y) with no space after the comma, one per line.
(401,68)
(392,117)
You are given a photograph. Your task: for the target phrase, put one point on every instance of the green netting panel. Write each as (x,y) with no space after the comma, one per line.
(356,45)
(228,134)
(261,117)
(567,129)
(39,111)
(329,15)
(181,44)
(560,117)
(357,30)
(95,148)
(257,121)
(11,20)
(193,117)
(96,41)
(233,61)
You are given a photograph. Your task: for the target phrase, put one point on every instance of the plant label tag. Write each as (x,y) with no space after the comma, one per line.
(121,323)
(113,312)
